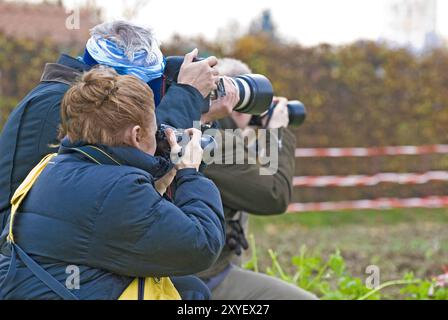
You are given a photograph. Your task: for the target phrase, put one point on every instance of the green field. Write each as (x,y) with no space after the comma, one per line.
(397,241)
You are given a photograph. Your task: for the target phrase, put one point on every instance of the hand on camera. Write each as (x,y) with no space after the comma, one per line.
(235,237)
(280,115)
(192,153)
(223,106)
(200,75)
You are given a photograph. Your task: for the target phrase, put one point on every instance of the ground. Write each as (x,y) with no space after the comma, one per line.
(397,241)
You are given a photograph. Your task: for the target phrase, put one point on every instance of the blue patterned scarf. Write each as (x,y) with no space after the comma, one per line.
(147,66)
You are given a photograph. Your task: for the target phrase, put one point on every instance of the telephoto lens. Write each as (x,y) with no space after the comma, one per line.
(255,90)
(256,93)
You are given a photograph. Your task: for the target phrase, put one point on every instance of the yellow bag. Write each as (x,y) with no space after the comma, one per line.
(139,289)
(161,289)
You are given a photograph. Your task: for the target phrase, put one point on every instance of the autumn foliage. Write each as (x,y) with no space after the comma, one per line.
(362,94)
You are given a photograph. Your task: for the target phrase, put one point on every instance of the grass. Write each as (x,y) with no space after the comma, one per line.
(364,217)
(397,241)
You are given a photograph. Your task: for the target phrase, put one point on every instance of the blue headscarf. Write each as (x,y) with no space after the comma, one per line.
(147,66)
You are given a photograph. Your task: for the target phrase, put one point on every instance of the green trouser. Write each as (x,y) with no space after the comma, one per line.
(243,284)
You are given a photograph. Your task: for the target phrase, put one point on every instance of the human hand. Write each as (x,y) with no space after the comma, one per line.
(280,115)
(235,237)
(223,106)
(200,75)
(192,152)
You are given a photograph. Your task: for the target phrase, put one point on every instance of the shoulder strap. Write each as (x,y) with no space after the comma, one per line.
(93,153)
(23,190)
(37,270)
(43,275)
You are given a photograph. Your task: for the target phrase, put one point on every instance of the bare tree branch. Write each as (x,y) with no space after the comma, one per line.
(132,9)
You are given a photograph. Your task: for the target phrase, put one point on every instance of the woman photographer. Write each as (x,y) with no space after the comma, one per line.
(98,206)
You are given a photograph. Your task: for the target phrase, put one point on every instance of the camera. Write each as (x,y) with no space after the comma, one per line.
(163,147)
(255,90)
(296,112)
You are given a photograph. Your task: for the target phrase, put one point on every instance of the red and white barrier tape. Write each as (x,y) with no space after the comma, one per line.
(370,152)
(364,180)
(442,280)
(377,204)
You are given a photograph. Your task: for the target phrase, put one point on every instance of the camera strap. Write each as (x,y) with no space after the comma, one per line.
(268,116)
(17,251)
(93,153)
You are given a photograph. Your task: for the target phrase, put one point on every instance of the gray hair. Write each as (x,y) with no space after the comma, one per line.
(130,37)
(232,67)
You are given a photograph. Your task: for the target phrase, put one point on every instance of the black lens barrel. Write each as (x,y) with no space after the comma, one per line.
(297,113)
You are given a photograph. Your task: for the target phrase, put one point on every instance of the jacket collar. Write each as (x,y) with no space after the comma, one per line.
(128,156)
(66,70)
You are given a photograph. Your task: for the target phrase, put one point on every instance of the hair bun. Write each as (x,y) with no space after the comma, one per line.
(98,86)
(87,117)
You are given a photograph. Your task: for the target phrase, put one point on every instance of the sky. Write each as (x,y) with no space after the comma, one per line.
(307,21)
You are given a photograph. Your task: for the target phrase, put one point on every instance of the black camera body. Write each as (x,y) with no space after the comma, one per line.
(255,90)
(163,147)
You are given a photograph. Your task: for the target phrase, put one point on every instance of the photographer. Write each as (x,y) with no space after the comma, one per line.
(31,130)
(244,190)
(98,204)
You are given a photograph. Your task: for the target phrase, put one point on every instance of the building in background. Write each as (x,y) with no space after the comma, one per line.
(47,20)
(264,24)
(413,24)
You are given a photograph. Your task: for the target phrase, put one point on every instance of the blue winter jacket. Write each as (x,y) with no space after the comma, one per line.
(111,222)
(33,125)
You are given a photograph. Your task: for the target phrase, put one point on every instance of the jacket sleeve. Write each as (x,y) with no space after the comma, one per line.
(242,186)
(139,233)
(180,107)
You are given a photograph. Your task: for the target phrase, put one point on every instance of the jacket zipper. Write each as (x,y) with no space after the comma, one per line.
(141,288)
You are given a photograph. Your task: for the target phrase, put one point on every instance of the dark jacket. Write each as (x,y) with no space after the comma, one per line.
(33,125)
(255,193)
(111,222)
(243,189)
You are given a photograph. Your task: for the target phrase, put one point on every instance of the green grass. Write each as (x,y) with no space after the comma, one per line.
(363,217)
(398,241)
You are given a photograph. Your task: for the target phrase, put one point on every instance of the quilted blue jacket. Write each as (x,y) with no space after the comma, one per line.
(111,222)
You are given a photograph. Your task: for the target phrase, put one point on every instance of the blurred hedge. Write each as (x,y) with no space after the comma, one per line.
(21,65)
(363,94)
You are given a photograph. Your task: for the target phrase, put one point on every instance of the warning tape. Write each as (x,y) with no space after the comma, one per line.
(370,152)
(376,204)
(365,180)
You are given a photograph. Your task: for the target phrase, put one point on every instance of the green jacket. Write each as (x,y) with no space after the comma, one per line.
(244,190)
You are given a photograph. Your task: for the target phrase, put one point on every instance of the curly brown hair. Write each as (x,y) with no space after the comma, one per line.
(102,105)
